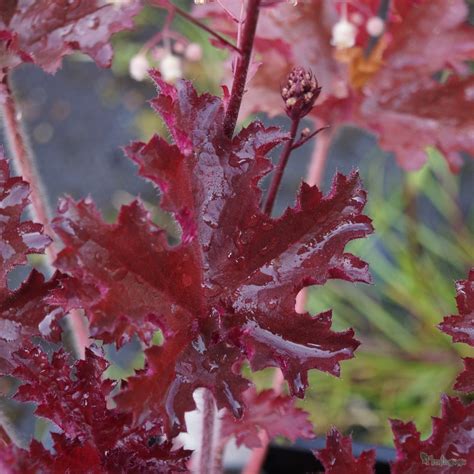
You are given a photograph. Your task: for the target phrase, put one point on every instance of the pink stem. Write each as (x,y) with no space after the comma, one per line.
(41,211)
(206,458)
(242,66)
(25,165)
(314,177)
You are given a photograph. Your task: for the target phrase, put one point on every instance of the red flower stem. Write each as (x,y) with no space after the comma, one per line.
(276,181)
(41,211)
(204,27)
(242,66)
(206,457)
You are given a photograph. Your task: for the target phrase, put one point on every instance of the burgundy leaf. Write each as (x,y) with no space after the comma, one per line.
(275,414)
(450,449)
(44,31)
(17,238)
(461,327)
(227,292)
(75,398)
(465,380)
(25,312)
(337,457)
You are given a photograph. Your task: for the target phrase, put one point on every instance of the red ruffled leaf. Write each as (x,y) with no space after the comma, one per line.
(94,436)
(44,31)
(337,457)
(227,292)
(461,327)
(17,239)
(465,380)
(275,414)
(450,449)
(25,312)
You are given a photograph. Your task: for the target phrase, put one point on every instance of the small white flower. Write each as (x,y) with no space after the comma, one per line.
(375,26)
(170,68)
(343,34)
(193,52)
(138,67)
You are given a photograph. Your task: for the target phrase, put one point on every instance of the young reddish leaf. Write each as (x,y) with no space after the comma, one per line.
(451,445)
(44,31)
(275,414)
(227,291)
(461,328)
(337,457)
(75,398)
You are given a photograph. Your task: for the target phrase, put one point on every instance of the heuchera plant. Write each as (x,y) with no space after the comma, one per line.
(221,297)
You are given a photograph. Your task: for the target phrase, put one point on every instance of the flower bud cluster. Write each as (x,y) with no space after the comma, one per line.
(300,92)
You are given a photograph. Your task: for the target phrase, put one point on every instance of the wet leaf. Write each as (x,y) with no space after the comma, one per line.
(227,292)
(337,457)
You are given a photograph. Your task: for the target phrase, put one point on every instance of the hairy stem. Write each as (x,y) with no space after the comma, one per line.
(242,66)
(24,163)
(206,458)
(285,155)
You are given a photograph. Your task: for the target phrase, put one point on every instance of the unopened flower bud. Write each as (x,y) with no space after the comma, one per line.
(138,67)
(343,34)
(170,68)
(300,93)
(375,26)
(193,52)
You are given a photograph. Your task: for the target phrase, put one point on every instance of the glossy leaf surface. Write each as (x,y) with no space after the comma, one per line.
(449,448)
(93,436)
(227,292)
(44,31)
(337,457)
(275,414)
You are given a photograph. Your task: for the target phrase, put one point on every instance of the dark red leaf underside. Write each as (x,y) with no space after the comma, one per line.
(450,449)
(227,292)
(272,413)
(44,31)
(94,436)
(461,328)
(337,457)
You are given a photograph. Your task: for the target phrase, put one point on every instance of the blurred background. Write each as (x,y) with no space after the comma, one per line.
(79,119)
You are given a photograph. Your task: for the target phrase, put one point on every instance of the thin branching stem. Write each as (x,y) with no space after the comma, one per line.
(277,177)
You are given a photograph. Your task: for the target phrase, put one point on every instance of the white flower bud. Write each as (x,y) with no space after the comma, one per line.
(193,52)
(170,68)
(375,26)
(138,67)
(343,34)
